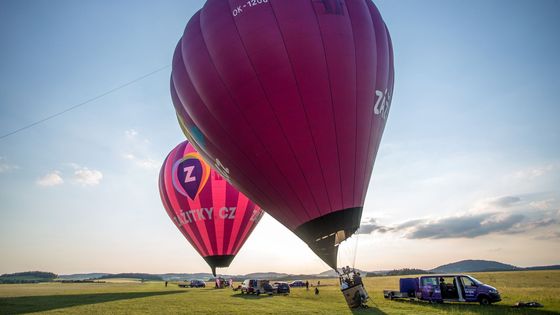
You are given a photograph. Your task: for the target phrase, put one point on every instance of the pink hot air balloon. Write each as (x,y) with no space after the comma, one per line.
(214,217)
(289,100)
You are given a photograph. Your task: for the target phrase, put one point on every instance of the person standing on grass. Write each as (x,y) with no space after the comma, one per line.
(166,284)
(307,285)
(316,291)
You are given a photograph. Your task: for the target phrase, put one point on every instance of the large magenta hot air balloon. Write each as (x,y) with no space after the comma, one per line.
(289,99)
(214,217)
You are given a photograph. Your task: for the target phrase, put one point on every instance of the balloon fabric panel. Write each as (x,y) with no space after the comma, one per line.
(199,114)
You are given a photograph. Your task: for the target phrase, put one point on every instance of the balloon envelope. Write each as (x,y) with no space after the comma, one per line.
(289,100)
(212,215)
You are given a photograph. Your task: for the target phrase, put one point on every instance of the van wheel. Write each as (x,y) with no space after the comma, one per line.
(483,300)
(258,292)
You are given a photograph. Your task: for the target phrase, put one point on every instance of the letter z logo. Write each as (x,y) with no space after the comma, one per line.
(188,176)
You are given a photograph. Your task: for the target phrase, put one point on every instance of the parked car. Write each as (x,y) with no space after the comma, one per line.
(297,283)
(445,288)
(197,284)
(254,286)
(281,287)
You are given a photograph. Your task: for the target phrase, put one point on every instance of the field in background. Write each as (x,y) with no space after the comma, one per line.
(153,297)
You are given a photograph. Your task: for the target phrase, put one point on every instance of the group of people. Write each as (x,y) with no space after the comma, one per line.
(349,278)
(221,283)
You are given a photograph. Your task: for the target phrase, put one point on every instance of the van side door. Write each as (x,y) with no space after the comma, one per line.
(430,289)
(470,289)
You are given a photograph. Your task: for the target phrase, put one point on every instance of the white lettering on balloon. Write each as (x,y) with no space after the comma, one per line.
(248,4)
(203,214)
(227,213)
(382,104)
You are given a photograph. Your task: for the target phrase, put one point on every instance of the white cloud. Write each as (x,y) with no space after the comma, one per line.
(145,163)
(138,151)
(534,172)
(542,204)
(5,166)
(131,133)
(51,179)
(148,163)
(87,177)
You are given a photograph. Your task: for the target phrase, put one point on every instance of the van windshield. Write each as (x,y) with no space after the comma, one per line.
(475,280)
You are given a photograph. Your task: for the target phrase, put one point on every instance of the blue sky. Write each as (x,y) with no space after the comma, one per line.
(469,166)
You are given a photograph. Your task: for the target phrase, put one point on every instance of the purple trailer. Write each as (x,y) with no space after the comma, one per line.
(445,288)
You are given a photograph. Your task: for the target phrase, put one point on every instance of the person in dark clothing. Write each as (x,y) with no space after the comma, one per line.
(166,284)
(316,291)
(307,285)
(357,278)
(442,288)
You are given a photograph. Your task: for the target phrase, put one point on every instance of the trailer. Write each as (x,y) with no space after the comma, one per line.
(407,289)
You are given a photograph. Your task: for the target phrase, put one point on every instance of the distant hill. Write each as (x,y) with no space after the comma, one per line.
(28,277)
(332,274)
(144,276)
(399,272)
(474,266)
(266,275)
(552,267)
(186,276)
(82,276)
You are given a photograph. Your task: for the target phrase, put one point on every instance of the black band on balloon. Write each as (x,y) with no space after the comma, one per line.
(222,261)
(320,233)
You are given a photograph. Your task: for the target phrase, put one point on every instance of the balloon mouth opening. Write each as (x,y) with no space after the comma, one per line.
(218,261)
(324,234)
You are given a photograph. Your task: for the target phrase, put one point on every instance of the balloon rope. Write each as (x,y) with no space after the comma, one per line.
(82,103)
(355,251)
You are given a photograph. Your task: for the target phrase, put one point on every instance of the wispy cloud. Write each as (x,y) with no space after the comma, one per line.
(503,215)
(50,179)
(535,172)
(542,204)
(370,226)
(86,177)
(5,166)
(138,151)
(146,163)
(504,202)
(131,133)
(468,226)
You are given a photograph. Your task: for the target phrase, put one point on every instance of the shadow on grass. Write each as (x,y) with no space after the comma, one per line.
(253,296)
(28,304)
(461,308)
(369,310)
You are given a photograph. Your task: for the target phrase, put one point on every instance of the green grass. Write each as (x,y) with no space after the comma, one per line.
(155,298)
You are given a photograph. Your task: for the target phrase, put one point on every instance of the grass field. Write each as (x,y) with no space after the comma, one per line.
(153,297)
